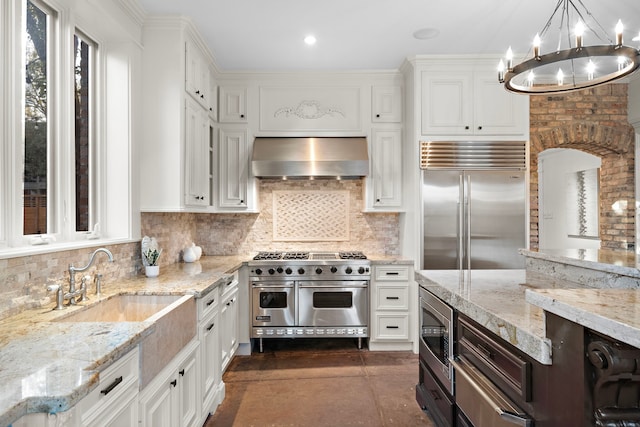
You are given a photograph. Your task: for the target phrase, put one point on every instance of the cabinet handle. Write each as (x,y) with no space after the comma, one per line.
(484,351)
(111,386)
(174,383)
(210,109)
(479,127)
(181,372)
(392,273)
(202,96)
(242,116)
(241,202)
(377,200)
(378,115)
(393,297)
(211,301)
(466,127)
(197,92)
(210,326)
(393,327)
(435,394)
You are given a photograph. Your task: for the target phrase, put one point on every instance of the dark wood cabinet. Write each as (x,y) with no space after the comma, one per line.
(433,398)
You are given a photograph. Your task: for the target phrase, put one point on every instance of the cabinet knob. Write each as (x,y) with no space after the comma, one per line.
(197,92)
(210,326)
(242,116)
(479,127)
(181,372)
(202,96)
(174,383)
(241,201)
(466,127)
(378,115)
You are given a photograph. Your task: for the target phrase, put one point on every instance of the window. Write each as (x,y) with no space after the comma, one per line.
(84,130)
(38,144)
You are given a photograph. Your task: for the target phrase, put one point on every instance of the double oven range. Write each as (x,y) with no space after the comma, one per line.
(309,294)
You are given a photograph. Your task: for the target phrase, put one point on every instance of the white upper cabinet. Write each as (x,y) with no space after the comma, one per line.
(234,155)
(470,102)
(384,183)
(175,153)
(386,104)
(233,104)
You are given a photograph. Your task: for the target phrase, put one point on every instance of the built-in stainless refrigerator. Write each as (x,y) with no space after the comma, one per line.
(474,212)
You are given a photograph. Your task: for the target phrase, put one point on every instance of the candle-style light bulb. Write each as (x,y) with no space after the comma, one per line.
(509,59)
(579,32)
(591,68)
(560,77)
(619,30)
(501,69)
(536,47)
(530,78)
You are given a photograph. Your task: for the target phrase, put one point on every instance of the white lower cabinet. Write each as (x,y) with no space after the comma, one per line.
(391,308)
(228,324)
(172,398)
(211,385)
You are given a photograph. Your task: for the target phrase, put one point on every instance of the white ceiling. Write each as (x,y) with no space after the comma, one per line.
(267,35)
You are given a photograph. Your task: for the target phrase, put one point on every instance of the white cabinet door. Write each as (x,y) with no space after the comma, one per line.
(209,363)
(234,169)
(391,308)
(172,398)
(447,107)
(197,156)
(496,111)
(233,104)
(228,329)
(385,178)
(197,74)
(386,104)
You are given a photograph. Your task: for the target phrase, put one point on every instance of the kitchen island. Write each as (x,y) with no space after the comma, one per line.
(570,342)
(48,366)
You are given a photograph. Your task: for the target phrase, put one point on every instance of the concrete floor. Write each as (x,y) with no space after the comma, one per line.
(307,382)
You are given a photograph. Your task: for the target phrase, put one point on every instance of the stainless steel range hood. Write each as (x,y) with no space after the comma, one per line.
(310,157)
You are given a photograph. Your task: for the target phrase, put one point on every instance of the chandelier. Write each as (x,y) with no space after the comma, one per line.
(576,66)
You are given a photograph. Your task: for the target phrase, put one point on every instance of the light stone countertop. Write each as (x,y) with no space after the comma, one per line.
(496,300)
(48,367)
(612,312)
(624,263)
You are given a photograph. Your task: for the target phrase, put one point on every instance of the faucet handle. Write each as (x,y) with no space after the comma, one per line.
(83,289)
(59,297)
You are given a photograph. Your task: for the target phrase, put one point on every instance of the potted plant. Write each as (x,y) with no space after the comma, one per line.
(150,256)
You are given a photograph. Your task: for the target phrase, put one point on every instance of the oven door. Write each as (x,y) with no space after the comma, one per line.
(273,304)
(436,337)
(333,303)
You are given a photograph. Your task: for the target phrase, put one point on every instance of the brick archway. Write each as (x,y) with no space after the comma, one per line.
(593,121)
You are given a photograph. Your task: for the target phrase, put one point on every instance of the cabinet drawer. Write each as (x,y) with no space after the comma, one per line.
(433,397)
(208,303)
(392,273)
(500,364)
(230,284)
(114,383)
(392,297)
(392,326)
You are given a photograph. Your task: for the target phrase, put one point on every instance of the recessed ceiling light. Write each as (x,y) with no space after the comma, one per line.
(310,40)
(426,33)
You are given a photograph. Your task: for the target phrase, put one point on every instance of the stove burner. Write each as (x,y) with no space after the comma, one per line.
(352,255)
(296,255)
(267,256)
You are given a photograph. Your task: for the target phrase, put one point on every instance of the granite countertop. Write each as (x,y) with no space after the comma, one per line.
(626,263)
(46,366)
(612,312)
(496,300)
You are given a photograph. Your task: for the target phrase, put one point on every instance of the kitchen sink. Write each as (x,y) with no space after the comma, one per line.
(124,308)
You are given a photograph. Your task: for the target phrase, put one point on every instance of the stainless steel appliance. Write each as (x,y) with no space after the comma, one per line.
(435,388)
(309,294)
(474,206)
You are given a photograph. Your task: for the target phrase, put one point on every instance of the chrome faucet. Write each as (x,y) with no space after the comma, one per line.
(82,292)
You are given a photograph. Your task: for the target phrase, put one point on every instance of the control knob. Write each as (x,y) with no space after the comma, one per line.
(301,270)
(288,271)
(318,270)
(361,270)
(258,271)
(348,270)
(271,271)
(334,269)
(279,270)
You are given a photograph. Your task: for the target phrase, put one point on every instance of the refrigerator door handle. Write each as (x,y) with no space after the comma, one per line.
(468,216)
(461,214)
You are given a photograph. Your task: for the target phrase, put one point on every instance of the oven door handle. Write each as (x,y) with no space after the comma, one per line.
(336,285)
(262,286)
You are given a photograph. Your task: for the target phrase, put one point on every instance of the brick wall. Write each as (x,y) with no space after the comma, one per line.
(594,121)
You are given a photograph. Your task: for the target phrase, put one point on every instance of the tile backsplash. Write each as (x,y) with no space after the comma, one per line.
(23,280)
